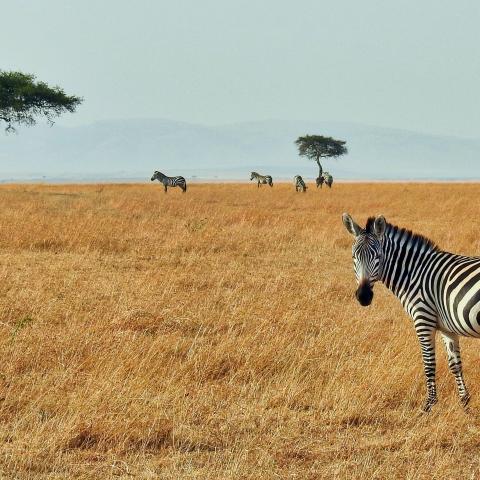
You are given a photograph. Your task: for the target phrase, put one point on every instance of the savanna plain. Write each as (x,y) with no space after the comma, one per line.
(215,335)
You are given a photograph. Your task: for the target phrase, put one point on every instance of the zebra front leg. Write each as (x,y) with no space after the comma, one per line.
(165,188)
(426,337)
(452,347)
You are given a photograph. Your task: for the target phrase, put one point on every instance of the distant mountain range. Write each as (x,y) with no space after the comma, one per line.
(132,149)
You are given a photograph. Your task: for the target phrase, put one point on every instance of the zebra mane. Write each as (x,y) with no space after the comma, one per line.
(413,238)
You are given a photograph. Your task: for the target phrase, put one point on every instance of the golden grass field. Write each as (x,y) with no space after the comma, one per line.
(215,335)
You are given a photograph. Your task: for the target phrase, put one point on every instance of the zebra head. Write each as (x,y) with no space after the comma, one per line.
(156,175)
(367,254)
(253,175)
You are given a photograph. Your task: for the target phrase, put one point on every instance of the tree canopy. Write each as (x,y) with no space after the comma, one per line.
(23,99)
(316,147)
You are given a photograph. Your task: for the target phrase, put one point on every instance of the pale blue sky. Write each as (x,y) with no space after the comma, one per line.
(406,63)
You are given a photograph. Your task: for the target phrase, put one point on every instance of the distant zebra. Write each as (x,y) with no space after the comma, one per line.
(169,181)
(326,178)
(439,290)
(320,180)
(261,179)
(299,184)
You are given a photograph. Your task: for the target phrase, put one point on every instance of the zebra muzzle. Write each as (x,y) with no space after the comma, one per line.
(364,294)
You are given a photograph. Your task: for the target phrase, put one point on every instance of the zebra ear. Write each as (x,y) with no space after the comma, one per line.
(379,226)
(350,224)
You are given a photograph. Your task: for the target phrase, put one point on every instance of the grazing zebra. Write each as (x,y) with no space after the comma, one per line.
(299,184)
(326,178)
(261,179)
(320,180)
(439,290)
(169,181)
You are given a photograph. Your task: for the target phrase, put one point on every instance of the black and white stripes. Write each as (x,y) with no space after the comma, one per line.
(324,177)
(439,290)
(169,181)
(261,179)
(299,184)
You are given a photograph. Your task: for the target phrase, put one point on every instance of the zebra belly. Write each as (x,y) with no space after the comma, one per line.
(460,311)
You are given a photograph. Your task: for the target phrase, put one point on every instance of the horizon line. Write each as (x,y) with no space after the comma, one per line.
(198,181)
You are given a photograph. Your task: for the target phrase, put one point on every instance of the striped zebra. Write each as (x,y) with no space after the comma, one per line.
(261,179)
(326,178)
(320,180)
(439,290)
(299,184)
(169,181)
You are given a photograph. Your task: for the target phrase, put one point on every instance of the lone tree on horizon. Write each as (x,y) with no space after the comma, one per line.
(23,99)
(316,147)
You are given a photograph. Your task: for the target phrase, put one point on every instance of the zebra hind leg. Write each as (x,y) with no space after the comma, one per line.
(452,347)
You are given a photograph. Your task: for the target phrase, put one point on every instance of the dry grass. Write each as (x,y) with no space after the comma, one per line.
(214,335)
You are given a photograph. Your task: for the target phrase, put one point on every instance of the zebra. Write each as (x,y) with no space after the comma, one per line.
(439,290)
(169,181)
(320,180)
(324,177)
(328,179)
(261,179)
(299,184)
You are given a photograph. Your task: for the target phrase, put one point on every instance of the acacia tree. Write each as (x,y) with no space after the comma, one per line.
(23,99)
(316,147)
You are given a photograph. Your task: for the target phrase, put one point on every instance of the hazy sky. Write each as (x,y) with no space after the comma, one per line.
(412,64)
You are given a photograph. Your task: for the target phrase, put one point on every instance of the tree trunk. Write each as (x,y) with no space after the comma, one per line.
(320,169)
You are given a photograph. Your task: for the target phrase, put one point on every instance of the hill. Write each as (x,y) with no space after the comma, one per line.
(134,148)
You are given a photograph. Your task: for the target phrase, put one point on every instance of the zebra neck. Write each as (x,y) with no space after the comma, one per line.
(405,257)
